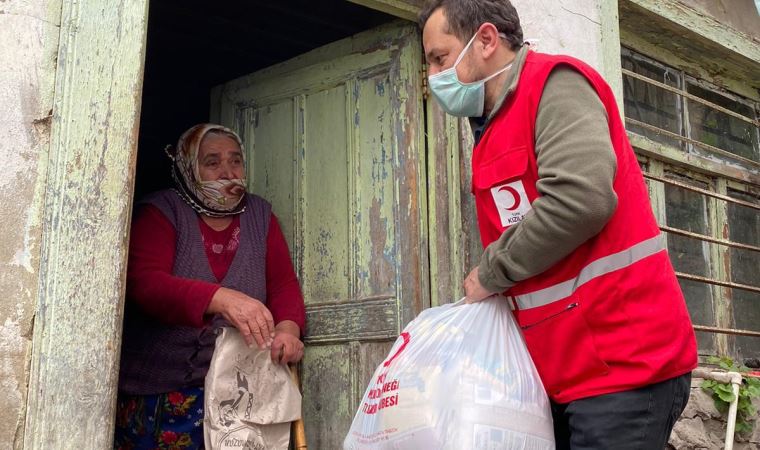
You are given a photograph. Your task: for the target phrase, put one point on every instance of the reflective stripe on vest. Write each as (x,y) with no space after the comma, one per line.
(600,267)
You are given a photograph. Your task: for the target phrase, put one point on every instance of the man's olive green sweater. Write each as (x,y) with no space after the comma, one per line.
(576,169)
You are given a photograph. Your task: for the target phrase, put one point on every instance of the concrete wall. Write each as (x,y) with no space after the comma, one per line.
(741,15)
(29,35)
(585,29)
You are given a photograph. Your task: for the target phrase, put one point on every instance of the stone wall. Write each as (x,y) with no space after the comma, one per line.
(702,427)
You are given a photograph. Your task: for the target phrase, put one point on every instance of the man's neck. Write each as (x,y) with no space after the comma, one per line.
(495,86)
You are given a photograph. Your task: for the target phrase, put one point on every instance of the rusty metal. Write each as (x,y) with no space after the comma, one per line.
(692,97)
(703,237)
(732,331)
(703,191)
(728,284)
(693,141)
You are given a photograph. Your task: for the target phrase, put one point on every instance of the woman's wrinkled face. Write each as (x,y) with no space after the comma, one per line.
(220,158)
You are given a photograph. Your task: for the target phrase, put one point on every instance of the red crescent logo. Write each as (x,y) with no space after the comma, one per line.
(405,336)
(515,195)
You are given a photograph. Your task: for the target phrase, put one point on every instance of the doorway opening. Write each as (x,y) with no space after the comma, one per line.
(334,133)
(193,46)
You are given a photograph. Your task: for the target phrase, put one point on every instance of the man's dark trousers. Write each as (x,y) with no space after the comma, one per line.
(640,419)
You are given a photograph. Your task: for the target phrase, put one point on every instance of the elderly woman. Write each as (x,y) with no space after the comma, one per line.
(203,255)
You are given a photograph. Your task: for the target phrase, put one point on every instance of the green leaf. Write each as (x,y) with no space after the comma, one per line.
(727,397)
(753,390)
(720,405)
(743,427)
(707,384)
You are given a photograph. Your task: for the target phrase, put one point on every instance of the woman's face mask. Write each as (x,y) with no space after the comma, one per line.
(458,98)
(209,170)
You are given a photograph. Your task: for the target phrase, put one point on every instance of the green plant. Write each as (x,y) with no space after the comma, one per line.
(723,394)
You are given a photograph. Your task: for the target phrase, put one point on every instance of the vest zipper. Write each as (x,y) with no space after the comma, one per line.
(567,308)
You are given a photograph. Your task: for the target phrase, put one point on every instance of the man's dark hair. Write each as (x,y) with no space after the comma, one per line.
(466,16)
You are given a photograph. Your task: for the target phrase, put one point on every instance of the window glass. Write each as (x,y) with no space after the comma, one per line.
(687,210)
(721,130)
(652,104)
(744,227)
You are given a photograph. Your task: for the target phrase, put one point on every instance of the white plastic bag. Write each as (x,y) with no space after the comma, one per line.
(459,377)
(249,400)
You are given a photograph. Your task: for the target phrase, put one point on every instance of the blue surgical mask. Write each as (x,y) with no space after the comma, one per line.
(458,98)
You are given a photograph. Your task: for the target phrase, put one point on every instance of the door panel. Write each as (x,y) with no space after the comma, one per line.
(334,140)
(273,125)
(324,206)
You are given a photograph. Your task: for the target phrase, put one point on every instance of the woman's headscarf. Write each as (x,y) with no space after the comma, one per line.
(216,198)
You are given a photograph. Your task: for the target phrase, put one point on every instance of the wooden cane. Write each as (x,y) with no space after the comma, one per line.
(299,433)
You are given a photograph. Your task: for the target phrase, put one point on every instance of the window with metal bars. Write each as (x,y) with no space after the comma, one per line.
(699,147)
(673,108)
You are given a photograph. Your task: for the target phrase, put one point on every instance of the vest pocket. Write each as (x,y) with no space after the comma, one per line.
(509,165)
(561,344)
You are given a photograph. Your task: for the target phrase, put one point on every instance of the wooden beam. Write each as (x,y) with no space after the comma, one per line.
(681,43)
(677,157)
(405,9)
(703,25)
(90,173)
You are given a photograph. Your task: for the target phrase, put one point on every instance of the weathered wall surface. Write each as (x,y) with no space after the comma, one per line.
(587,30)
(28,45)
(741,15)
(702,427)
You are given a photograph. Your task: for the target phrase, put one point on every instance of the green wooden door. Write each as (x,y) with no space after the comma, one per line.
(335,142)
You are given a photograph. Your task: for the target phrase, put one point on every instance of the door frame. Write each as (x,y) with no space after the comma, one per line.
(88,201)
(404,9)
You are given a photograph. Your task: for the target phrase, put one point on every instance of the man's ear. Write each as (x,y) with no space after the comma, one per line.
(488,40)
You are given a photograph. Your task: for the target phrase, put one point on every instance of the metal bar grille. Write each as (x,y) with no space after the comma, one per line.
(709,147)
(728,284)
(691,97)
(724,328)
(703,191)
(733,331)
(703,237)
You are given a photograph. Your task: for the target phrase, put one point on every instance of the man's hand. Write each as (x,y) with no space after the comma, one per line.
(287,347)
(473,290)
(248,315)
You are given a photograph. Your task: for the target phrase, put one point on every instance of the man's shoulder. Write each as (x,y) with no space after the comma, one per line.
(552,63)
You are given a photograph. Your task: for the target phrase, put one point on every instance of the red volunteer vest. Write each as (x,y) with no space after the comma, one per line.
(610,316)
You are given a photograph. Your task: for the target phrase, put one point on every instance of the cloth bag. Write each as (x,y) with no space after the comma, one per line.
(459,377)
(249,400)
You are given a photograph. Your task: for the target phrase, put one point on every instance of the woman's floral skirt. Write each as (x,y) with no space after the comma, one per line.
(172,421)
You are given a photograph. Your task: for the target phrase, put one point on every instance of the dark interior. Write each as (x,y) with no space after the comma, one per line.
(194,45)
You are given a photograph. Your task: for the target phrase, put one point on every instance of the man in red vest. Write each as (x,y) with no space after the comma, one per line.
(567,227)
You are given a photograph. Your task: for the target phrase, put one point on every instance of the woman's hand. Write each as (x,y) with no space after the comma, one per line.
(248,315)
(287,347)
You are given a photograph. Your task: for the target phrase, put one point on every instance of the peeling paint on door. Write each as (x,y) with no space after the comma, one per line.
(336,146)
